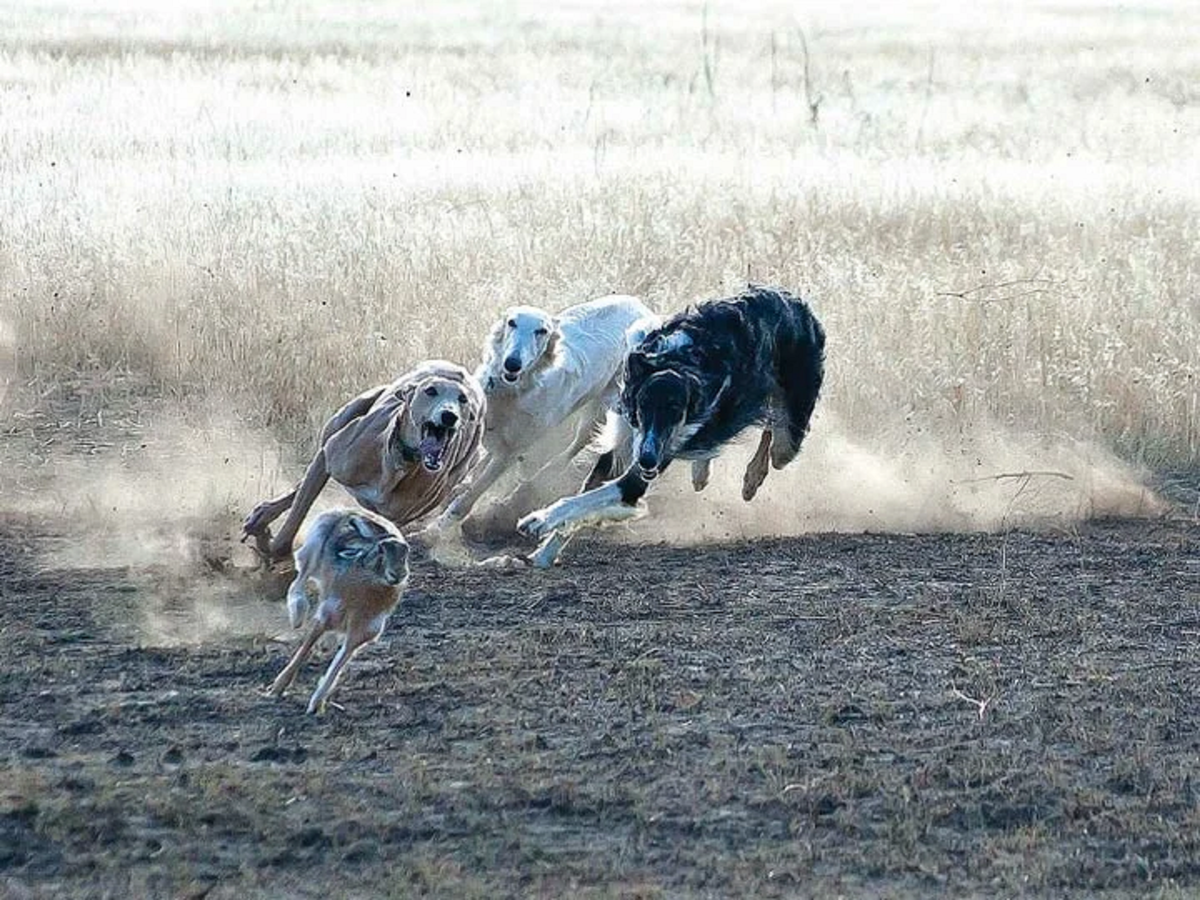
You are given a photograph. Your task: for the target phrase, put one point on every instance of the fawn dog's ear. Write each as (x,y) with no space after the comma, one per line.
(363,527)
(405,394)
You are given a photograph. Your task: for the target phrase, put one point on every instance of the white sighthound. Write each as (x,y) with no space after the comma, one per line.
(538,371)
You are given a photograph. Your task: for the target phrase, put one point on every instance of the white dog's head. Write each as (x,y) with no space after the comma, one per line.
(519,343)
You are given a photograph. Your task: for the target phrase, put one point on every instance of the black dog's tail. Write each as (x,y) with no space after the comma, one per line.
(800,360)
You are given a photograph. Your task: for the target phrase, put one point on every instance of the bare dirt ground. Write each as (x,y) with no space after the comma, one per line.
(864,714)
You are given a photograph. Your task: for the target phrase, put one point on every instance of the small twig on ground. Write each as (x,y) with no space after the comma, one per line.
(1008,476)
(980,705)
(641,656)
(999,286)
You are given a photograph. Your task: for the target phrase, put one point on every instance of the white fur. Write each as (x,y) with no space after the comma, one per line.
(574,367)
(555,523)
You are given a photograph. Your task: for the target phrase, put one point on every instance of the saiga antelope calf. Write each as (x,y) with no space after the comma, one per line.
(359,563)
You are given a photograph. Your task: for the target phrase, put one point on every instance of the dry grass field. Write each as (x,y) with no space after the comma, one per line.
(926,659)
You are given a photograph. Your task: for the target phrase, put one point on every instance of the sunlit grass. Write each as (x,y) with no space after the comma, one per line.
(994,212)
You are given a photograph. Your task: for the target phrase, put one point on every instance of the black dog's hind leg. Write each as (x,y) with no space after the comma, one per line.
(756,469)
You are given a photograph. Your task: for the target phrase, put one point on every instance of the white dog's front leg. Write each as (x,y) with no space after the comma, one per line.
(465,499)
(446,526)
(547,552)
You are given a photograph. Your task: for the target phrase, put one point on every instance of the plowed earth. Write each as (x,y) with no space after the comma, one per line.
(867,714)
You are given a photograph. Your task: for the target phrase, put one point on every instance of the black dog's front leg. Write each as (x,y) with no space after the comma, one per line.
(633,486)
(612,501)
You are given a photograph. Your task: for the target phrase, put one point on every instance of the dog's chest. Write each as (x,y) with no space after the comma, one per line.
(513,416)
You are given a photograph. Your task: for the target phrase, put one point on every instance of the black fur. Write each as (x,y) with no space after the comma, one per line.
(757,358)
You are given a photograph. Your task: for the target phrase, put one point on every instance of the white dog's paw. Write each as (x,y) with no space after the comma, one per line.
(451,553)
(504,561)
(430,535)
(436,531)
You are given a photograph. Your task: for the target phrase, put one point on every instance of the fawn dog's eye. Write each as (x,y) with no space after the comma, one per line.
(462,398)
(431,391)
(512,323)
(541,332)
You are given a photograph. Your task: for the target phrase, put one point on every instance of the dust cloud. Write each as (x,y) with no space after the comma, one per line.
(984,479)
(164,509)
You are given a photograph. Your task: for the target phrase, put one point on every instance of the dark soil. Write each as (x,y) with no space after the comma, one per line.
(873,715)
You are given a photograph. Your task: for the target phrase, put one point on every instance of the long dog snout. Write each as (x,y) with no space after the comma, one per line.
(648,458)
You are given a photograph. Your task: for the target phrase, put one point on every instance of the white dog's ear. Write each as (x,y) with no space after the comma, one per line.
(498,329)
(552,340)
(491,348)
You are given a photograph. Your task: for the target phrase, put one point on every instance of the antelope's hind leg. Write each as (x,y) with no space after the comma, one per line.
(355,639)
(288,675)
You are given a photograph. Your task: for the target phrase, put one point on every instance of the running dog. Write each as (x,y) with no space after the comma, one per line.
(691,386)
(539,370)
(359,563)
(399,449)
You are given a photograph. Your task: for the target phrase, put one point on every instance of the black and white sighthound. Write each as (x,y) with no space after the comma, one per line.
(691,386)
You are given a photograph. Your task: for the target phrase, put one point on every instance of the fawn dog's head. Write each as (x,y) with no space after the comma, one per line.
(437,408)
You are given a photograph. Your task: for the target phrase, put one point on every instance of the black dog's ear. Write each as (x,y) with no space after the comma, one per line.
(637,367)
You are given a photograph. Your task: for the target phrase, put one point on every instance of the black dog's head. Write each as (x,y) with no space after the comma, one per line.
(660,398)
